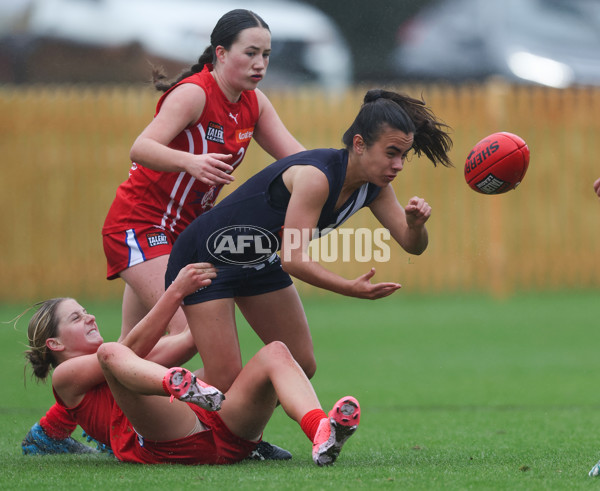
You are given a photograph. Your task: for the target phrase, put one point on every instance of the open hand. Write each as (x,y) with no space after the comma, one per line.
(363,288)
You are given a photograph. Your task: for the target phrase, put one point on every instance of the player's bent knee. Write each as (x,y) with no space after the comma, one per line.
(278,347)
(274,353)
(277,350)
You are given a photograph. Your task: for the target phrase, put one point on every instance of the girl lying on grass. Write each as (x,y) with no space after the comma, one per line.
(150,414)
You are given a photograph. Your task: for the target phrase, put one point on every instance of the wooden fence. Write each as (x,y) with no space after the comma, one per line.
(65,150)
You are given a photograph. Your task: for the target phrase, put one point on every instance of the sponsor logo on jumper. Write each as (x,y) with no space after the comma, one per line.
(234,117)
(242,244)
(244,134)
(214,133)
(156,239)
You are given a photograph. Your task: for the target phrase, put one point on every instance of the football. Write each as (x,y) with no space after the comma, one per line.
(497,163)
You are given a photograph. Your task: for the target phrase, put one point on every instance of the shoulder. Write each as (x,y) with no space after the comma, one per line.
(310,172)
(185,99)
(307,179)
(330,161)
(185,92)
(323,161)
(320,156)
(74,377)
(261,98)
(309,189)
(191,86)
(263,103)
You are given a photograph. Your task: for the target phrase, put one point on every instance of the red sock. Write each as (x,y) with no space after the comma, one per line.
(58,423)
(310,422)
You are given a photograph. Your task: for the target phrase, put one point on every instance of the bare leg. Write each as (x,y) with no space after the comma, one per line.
(271,375)
(279,316)
(215,334)
(137,387)
(145,283)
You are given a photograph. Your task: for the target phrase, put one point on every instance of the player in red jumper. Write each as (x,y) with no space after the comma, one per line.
(199,135)
(181,160)
(120,398)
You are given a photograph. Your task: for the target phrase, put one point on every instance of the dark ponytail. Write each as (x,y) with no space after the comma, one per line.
(224,34)
(381,107)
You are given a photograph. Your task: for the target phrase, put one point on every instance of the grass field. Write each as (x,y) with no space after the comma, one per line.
(457,392)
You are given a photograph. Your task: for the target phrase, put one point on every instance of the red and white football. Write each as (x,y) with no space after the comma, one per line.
(497,163)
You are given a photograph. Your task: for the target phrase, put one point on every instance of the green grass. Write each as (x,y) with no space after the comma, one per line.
(457,392)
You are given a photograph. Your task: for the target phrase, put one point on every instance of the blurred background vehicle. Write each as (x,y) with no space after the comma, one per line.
(112,40)
(329,43)
(555,43)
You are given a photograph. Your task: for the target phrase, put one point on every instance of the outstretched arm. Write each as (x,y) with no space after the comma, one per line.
(308,195)
(406,225)
(149,331)
(74,377)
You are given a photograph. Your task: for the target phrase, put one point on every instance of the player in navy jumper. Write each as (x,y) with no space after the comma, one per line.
(288,200)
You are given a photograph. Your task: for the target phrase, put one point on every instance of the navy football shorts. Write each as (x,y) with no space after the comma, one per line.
(238,281)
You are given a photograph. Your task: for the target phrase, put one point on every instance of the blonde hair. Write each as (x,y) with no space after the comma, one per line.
(42,326)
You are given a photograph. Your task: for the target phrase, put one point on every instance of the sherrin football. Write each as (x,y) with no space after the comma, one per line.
(497,163)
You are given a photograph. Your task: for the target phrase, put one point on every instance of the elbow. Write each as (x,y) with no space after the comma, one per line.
(287,267)
(133,153)
(414,249)
(285,260)
(415,245)
(288,264)
(420,250)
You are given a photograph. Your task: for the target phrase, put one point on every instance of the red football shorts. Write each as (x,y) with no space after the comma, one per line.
(134,246)
(215,446)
